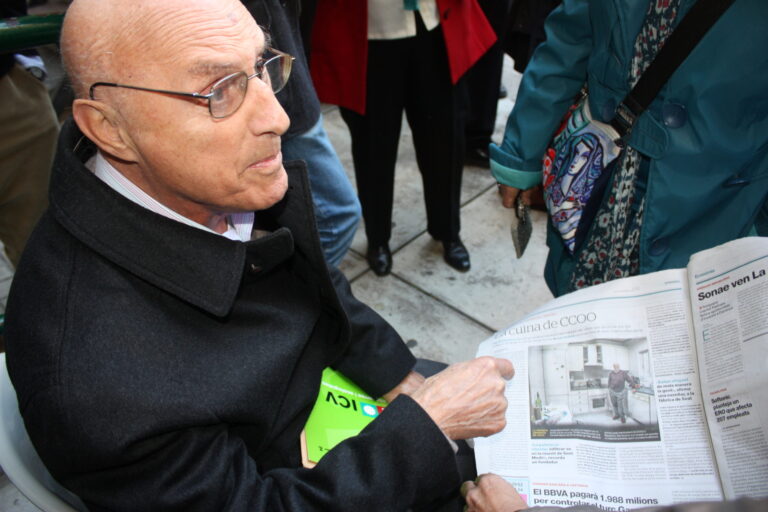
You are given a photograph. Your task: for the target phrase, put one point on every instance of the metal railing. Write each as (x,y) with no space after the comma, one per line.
(25,32)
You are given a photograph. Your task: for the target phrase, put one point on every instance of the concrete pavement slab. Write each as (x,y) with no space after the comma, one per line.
(432,329)
(499,289)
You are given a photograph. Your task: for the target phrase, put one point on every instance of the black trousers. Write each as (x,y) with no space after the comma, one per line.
(411,75)
(484,78)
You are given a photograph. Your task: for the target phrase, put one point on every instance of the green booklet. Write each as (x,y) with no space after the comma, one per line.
(342,410)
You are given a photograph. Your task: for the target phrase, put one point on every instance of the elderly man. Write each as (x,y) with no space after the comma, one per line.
(618,393)
(172,313)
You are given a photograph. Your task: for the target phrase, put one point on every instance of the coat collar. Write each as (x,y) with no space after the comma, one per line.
(201,268)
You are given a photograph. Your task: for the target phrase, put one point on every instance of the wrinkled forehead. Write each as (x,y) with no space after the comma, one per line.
(119,40)
(202,43)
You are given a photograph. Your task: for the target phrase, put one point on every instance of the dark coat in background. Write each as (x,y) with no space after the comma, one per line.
(525,30)
(161,367)
(280,21)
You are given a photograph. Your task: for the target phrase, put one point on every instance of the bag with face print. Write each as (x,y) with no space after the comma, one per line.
(576,168)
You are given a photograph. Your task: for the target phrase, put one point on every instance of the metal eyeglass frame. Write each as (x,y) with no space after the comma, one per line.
(260,67)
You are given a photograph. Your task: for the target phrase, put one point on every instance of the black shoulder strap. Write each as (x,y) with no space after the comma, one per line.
(677,47)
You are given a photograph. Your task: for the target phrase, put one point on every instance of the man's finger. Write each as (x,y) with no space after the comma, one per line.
(465,487)
(505,367)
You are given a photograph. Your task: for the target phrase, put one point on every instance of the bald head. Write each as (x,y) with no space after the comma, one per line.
(121,40)
(170,145)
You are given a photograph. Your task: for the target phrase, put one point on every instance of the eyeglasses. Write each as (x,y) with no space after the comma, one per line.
(227,94)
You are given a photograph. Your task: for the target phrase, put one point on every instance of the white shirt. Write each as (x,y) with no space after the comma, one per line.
(239,225)
(388,19)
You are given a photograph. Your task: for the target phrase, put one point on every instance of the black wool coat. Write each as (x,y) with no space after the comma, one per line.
(280,21)
(161,367)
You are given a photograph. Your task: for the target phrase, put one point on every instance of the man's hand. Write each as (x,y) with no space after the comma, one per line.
(491,493)
(467,399)
(508,195)
(409,384)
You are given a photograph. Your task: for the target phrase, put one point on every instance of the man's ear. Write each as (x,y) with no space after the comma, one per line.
(102,124)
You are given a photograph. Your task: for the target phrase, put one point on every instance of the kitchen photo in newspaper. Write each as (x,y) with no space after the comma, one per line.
(643,391)
(601,389)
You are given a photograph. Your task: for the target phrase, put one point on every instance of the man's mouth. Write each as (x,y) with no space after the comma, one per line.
(272,161)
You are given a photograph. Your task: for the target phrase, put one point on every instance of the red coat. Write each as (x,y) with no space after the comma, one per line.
(340,46)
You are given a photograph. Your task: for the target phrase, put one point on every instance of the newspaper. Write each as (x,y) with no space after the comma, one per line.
(641,391)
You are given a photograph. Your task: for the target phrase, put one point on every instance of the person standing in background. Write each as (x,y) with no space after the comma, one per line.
(28,131)
(695,168)
(378,58)
(337,208)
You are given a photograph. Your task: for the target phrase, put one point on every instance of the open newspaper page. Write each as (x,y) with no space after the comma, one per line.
(605,407)
(729,290)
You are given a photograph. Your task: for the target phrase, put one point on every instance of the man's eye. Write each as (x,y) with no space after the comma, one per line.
(218,94)
(209,88)
(260,64)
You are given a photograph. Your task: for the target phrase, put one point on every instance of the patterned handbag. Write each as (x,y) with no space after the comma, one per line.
(575,171)
(577,165)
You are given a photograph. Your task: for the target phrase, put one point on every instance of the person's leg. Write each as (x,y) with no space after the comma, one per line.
(482,82)
(614,404)
(336,205)
(375,137)
(431,108)
(623,405)
(374,172)
(433,112)
(28,131)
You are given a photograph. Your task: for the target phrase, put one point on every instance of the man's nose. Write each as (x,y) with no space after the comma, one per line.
(265,114)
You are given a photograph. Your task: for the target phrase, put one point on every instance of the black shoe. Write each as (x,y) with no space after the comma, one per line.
(503,93)
(478,157)
(456,255)
(379,259)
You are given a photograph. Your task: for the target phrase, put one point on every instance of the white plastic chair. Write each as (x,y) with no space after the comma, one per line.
(20,461)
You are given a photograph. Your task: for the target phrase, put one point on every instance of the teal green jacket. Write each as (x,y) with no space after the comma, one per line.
(706,133)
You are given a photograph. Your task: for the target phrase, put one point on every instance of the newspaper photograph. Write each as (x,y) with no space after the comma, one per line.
(598,390)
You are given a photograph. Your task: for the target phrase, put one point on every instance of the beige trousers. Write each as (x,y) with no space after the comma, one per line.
(28,132)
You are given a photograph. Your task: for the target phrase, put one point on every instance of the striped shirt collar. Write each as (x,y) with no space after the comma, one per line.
(239,225)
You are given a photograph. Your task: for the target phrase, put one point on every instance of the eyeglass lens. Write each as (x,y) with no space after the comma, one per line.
(228,93)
